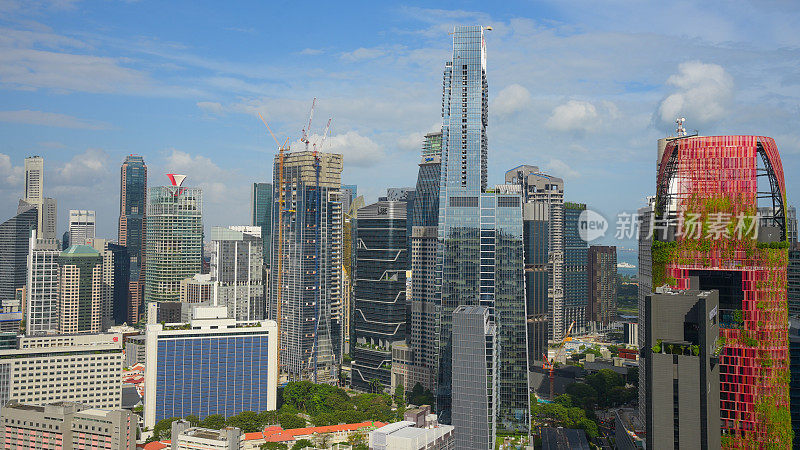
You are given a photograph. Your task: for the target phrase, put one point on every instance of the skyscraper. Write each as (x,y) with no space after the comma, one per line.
(717,182)
(15,235)
(474,377)
(132,210)
(682,385)
(34,195)
(81,290)
(543,214)
(41,304)
(479,250)
(575,254)
(81,226)
(174,241)
(424,299)
(379,293)
(237,260)
(306,268)
(348,193)
(601,270)
(261,214)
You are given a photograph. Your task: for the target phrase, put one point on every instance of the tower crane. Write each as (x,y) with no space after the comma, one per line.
(550,363)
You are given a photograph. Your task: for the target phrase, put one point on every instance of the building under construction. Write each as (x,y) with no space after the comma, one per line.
(305,294)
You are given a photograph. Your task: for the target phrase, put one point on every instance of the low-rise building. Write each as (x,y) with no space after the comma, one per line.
(186,437)
(331,434)
(405,435)
(84,368)
(66,426)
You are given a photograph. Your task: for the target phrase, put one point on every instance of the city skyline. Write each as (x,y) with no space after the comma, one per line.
(553,115)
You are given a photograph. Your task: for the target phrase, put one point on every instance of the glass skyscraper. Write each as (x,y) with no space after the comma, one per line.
(480,253)
(576,252)
(261,213)
(174,240)
(379,291)
(14,236)
(132,209)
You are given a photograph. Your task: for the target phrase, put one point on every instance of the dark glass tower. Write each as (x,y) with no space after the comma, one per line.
(132,210)
(576,252)
(261,213)
(479,254)
(379,291)
(14,241)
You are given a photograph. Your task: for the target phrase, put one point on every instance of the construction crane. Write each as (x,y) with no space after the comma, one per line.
(281,150)
(304,132)
(550,363)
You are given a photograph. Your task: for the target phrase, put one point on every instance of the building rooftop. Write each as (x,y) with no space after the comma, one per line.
(564,438)
(81,250)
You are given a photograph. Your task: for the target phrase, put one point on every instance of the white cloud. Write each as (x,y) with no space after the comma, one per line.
(559,168)
(574,116)
(357,150)
(10,176)
(311,51)
(511,99)
(362,53)
(84,169)
(703,94)
(211,107)
(29,117)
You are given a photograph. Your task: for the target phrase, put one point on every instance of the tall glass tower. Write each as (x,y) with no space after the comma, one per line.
(479,246)
(132,209)
(261,213)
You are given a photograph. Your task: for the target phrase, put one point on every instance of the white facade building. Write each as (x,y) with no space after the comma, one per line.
(41,290)
(81,226)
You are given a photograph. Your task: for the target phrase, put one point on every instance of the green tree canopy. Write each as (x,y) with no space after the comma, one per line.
(214,422)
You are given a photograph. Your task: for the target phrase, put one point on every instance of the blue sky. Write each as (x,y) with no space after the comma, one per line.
(582,89)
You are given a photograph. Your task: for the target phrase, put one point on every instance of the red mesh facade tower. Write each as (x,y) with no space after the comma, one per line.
(707,193)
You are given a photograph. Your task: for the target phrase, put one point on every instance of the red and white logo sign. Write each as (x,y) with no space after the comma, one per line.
(177,181)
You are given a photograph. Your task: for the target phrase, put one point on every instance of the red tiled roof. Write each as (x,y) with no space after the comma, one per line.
(278,434)
(156,445)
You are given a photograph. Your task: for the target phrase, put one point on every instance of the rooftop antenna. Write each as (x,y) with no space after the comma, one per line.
(681,131)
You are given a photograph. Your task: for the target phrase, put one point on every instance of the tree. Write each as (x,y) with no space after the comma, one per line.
(193,419)
(247,421)
(356,438)
(582,394)
(302,443)
(398,394)
(321,440)
(273,446)
(214,422)
(289,421)
(633,376)
(163,429)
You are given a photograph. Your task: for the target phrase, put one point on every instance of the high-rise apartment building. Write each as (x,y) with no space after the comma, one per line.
(41,289)
(575,254)
(543,215)
(84,368)
(261,214)
(424,300)
(379,293)
(15,236)
(306,268)
(34,195)
(717,181)
(132,213)
(81,226)
(82,293)
(480,248)
(67,426)
(601,270)
(213,366)
(237,262)
(174,244)
(682,394)
(474,377)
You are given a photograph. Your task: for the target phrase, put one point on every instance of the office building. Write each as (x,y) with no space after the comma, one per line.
(767,213)
(379,293)
(349,192)
(407,436)
(261,214)
(34,195)
(793,281)
(237,261)
(134,350)
(199,288)
(601,269)
(423,302)
(306,268)
(41,289)
(719,177)
(211,366)
(132,213)
(120,290)
(543,216)
(82,293)
(474,377)
(81,226)
(15,236)
(576,250)
(480,236)
(794,377)
(82,368)
(67,426)
(644,217)
(174,244)
(683,375)
(563,438)
(186,437)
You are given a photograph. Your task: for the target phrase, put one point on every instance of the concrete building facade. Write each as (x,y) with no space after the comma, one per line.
(41,290)
(81,226)
(237,262)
